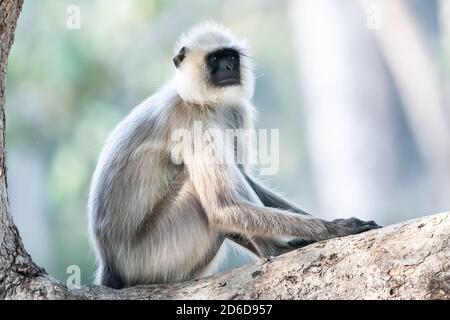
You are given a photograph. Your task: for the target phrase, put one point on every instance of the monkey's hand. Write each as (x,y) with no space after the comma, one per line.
(345,227)
(337,228)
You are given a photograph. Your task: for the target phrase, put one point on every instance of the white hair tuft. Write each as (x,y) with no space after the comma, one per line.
(208,36)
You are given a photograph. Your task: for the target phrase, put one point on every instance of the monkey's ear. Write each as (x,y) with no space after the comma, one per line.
(180,57)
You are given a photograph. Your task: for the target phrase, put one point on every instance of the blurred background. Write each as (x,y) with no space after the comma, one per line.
(359,89)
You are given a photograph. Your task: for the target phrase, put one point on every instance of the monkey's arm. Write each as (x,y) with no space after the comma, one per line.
(270,198)
(218,192)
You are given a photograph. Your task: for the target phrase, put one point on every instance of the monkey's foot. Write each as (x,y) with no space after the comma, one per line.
(298,243)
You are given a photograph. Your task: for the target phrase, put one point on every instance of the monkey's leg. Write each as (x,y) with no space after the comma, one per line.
(229,256)
(276,246)
(264,247)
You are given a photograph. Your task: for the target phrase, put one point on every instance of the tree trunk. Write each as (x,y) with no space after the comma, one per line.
(349,107)
(16,266)
(406,261)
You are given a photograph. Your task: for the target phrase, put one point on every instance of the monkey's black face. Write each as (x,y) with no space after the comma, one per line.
(224,67)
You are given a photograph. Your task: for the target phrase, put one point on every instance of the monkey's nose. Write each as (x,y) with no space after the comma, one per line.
(231,64)
(228,74)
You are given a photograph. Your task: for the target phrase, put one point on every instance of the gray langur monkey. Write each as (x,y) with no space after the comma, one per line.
(156,220)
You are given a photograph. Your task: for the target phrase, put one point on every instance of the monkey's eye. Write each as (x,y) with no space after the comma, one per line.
(180,57)
(213,58)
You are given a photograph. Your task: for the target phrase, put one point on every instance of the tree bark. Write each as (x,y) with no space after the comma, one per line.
(410,260)
(16,266)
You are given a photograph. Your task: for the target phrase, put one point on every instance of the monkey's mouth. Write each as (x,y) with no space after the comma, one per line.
(226,78)
(232,81)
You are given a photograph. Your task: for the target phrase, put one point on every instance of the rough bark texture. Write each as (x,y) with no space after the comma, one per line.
(410,260)
(16,266)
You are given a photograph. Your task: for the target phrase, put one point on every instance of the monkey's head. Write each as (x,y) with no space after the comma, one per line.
(212,66)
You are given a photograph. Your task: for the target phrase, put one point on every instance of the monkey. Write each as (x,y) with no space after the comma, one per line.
(156,216)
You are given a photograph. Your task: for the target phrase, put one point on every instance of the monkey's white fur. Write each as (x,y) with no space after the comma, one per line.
(190,77)
(154,221)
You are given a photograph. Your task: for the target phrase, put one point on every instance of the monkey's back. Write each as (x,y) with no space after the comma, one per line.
(142,208)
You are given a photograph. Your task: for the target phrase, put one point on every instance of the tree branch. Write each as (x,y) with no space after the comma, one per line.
(410,260)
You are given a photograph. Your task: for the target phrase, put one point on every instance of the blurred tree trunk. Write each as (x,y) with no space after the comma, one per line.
(349,109)
(444,23)
(409,261)
(415,74)
(374,108)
